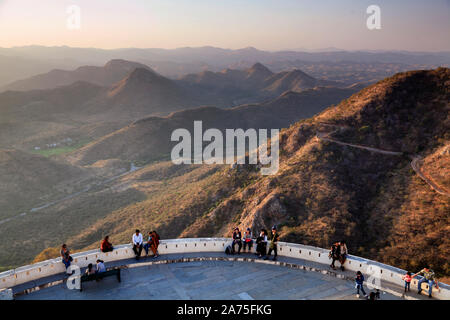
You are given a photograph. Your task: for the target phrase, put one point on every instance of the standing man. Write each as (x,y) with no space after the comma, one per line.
(428,277)
(273,244)
(237,239)
(137,243)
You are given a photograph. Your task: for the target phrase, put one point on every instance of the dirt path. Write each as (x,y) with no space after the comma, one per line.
(415,163)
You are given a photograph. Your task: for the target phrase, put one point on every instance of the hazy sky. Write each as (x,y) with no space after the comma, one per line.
(264,24)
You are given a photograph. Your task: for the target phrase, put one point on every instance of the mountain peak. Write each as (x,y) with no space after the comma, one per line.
(140,79)
(259,67)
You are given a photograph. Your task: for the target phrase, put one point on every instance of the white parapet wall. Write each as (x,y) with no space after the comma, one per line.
(371,269)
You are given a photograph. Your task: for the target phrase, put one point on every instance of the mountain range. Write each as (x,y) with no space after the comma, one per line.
(90,102)
(22,62)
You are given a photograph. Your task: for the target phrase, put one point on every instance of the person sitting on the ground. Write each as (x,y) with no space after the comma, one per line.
(137,243)
(428,277)
(261,244)
(273,244)
(65,255)
(105,245)
(237,239)
(90,269)
(334,253)
(359,280)
(100,266)
(155,244)
(148,244)
(248,241)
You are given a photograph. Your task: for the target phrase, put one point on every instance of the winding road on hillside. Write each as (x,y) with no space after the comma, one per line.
(415,163)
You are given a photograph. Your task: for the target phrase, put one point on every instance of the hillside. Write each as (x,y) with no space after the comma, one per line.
(149,139)
(324,191)
(27,177)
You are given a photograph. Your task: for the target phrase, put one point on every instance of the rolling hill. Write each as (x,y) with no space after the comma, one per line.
(149,139)
(112,72)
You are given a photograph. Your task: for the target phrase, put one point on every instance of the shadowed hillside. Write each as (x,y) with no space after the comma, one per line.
(149,139)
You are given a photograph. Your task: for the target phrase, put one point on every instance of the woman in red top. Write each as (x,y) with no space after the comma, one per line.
(105,245)
(407,277)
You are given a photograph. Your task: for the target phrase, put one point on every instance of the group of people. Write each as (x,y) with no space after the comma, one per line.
(261,242)
(106,246)
(339,252)
(428,277)
(98,268)
(151,244)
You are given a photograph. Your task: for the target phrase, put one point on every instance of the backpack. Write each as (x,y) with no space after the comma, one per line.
(228,250)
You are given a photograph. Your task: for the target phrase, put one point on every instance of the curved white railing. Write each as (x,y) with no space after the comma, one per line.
(51,267)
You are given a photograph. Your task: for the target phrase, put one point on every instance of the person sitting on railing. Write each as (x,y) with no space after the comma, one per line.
(237,239)
(428,277)
(335,252)
(261,244)
(105,245)
(65,255)
(343,252)
(273,244)
(248,241)
(155,244)
(149,243)
(100,266)
(137,243)
(90,269)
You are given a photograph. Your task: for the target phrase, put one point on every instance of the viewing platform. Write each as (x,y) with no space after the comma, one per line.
(199,269)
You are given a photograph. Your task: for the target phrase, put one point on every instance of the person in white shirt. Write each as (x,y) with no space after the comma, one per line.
(100,266)
(137,243)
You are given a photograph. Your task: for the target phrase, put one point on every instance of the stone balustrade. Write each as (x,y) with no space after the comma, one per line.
(371,269)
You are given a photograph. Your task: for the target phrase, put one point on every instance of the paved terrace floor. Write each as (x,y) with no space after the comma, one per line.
(211,279)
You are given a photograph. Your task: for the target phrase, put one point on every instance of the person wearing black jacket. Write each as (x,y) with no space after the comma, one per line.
(273,244)
(237,239)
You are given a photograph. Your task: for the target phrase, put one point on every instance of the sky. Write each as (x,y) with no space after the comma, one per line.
(265,24)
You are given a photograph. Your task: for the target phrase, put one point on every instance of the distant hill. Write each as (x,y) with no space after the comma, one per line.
(149,139)
(258,78)
(86,110)
(105,76)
